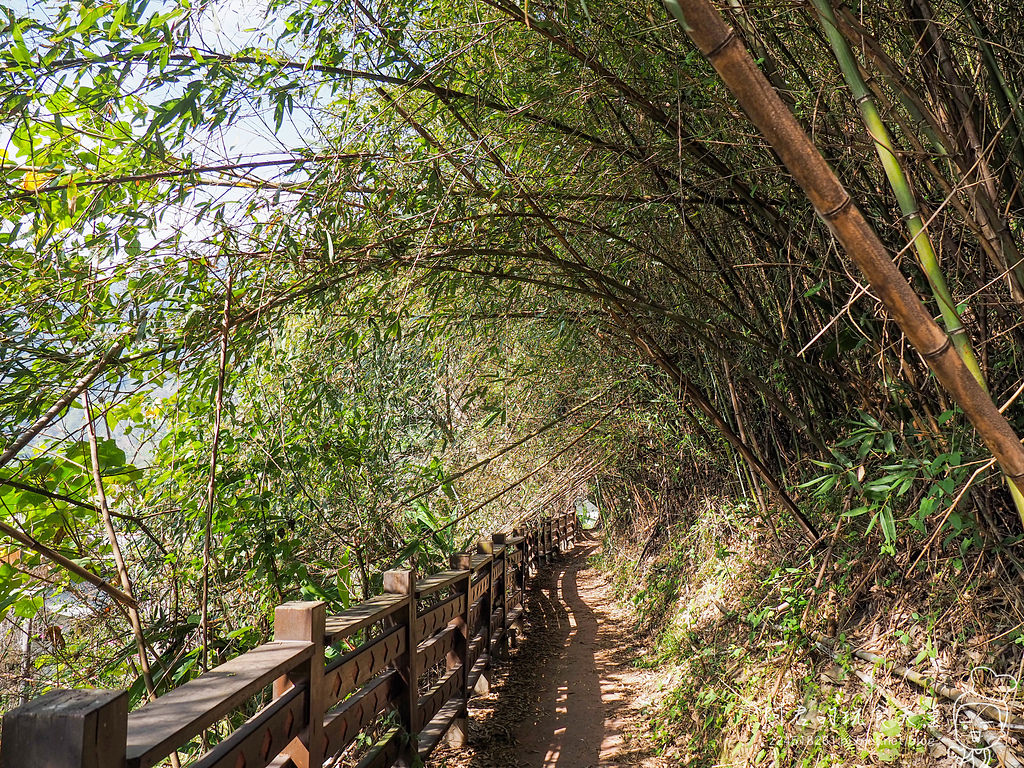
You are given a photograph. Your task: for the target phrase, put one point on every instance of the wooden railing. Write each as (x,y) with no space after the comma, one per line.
(406,663)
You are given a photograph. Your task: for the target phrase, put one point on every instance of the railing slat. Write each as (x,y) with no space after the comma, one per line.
(350,671)
(480,560)
(361,616)
(430,703)
(384,753)
(437,582)
(171,720)
(479,587)
(438,616)
(344,723)
(435,729)
(433,651)
(256,743)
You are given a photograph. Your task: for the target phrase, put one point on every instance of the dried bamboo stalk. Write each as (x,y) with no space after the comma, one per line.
(766,109)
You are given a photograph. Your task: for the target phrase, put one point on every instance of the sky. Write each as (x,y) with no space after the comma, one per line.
(226,26)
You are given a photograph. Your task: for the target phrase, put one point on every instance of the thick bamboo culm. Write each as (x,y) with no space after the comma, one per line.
(445,628)
(725,50)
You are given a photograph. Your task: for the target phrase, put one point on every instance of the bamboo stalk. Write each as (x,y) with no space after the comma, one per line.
(115,547)
(211,484)
(738,71)
(900,185)
(1008,101)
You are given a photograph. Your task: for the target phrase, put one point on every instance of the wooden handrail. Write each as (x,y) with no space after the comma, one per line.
(469,616)
(155,730)
(437,582)
(361,616)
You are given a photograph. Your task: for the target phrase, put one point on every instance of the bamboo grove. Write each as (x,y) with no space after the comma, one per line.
(356,281)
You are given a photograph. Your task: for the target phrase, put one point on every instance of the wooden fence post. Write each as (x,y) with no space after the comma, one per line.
(538,532)
(501,539)
(524,561)
(515,583)
(305,620)
(483,681)
(403,582)
(527,553)
(67,729)
(486,547)
(458,732)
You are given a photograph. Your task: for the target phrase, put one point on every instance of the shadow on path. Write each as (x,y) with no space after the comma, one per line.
(566,698)
(569,696)
(567,726)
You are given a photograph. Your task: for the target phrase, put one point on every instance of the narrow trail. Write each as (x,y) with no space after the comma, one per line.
(573,698)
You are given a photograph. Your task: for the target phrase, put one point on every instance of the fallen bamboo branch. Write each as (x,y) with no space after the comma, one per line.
(974,708)
(932,685)
(964,753)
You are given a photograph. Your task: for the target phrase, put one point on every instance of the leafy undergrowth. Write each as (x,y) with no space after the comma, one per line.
(730,615)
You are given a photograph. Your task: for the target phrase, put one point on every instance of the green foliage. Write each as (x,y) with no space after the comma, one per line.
(432,227)
(894,481)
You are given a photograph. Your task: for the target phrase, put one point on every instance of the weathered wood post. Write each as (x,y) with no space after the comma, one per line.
(305,620)
(539,533)
(523,575)
(525,533)
(500,539)
(403,582)
(458,732)
(481,621)
(486,547)
(67,729)
(515,581)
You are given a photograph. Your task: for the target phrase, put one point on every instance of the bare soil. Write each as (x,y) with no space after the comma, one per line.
(570,695)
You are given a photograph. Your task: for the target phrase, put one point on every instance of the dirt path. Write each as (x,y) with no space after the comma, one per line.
(571,696)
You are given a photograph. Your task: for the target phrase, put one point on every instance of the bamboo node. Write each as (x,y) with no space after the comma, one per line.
(718,48)
(937,352)
(831,214)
